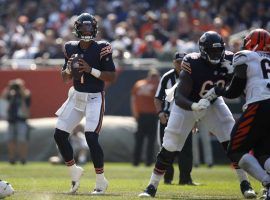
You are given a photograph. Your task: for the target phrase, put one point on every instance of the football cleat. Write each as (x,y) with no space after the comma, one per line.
(150,191)
(267,191)
(75,174)
(190,183)
(101,187)
(263,193)
(247,190)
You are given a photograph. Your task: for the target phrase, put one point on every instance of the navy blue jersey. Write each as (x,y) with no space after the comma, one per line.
(99,56)
(204,75)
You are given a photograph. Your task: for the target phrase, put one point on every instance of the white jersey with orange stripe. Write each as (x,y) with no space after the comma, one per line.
(258,74)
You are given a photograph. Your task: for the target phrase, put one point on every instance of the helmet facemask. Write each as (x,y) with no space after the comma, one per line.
(215,55)
(85,27)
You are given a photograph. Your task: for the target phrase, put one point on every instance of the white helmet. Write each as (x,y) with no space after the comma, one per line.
(5,189)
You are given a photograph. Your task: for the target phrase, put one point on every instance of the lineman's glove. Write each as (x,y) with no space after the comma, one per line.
(203,104)
(210,95)
(228,65)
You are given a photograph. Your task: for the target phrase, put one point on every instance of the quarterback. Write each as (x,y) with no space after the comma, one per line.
(88,63)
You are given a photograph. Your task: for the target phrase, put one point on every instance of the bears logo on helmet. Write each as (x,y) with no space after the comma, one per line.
(212,47)
(257,40)
(86,27)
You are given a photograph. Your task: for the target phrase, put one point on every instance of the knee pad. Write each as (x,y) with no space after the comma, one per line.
(166,157)
(60,136)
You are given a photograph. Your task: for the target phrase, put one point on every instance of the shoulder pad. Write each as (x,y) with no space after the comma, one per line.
(103,43)
(228,55)
(69,48)
(105,48)
(71,43)
(243,57)
(186,64)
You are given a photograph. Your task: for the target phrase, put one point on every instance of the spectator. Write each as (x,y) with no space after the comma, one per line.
(143,110)
(19,100)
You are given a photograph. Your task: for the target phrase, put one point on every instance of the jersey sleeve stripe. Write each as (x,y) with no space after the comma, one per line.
(105,51)
(186,68)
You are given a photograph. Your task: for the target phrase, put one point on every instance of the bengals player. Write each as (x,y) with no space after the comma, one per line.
(251,132)
(200,72)
(86,98)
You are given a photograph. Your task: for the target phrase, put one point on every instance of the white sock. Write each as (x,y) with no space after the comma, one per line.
(72,167)
(100,177)
(252,166)
(155,179)
(267,165)
(242,175)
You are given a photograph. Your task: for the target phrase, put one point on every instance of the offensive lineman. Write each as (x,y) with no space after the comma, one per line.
(86,99)
(200,71)
(251,132)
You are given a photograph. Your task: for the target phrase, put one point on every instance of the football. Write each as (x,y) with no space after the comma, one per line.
(75,67)
(5,189)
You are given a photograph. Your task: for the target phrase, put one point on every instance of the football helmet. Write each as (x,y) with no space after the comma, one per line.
(212,47)
(85,27)
(257,40)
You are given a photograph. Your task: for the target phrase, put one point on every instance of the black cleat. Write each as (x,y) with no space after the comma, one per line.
(150,191)
(190,183)
(247,190)
(167,182)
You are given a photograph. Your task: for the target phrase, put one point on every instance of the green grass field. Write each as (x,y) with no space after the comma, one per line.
(43,181)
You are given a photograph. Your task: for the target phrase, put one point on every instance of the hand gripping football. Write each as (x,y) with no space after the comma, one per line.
(75,67)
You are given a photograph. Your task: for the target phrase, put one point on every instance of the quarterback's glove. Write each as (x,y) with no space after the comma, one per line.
(211,95)
(228,65)
(203,104)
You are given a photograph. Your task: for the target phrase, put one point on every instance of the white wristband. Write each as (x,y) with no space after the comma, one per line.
(95,72)
(67,70)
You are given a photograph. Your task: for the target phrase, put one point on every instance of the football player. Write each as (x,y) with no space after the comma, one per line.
(163,108)
(251,132)
(200,72)
(86,97)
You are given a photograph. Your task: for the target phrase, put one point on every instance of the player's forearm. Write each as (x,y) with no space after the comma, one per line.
(108,76)
(65,76)
(234,90)
(158,104)
(182,101)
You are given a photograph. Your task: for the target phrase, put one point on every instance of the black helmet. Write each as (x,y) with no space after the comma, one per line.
(86,27)
(212,47)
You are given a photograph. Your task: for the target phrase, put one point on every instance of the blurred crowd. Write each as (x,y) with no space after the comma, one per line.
(37,29)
